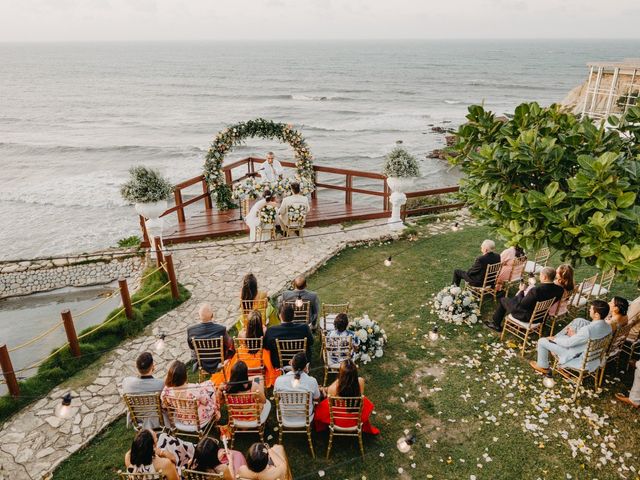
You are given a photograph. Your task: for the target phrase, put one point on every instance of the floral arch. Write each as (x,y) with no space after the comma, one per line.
(235,135)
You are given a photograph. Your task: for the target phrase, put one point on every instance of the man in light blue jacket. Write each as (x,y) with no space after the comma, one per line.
(570,344)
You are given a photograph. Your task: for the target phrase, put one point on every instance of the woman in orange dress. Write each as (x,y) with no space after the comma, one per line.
(348,384)
(253,358)
(251,299)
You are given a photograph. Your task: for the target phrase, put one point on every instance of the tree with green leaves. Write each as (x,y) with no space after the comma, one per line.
(544,176)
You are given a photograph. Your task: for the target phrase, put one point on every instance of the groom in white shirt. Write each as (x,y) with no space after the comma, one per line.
(291,201)
(270,170)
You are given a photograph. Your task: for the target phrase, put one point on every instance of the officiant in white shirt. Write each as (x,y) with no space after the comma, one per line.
(270,170)
(291,201)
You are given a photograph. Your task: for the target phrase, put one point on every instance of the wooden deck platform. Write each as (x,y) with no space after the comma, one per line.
(212,223)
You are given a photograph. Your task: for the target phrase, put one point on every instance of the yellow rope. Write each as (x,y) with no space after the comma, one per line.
(35,339)
(40,362)
(97,305)
(150,295)
(152,272)
(101,325)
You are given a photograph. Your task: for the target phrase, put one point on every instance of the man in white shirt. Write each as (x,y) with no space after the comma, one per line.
(298,380)
(291,201)
(270,170)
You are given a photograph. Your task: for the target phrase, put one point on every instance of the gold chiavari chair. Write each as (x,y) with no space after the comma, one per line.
(632,343)
(345,411)
(593,355)
(297,217)
(335,350)
(615,348)
(248,306)
(195,475)
(208,350)
(249,350)
(246,414)
(604,287)
(287,349)
(329,312)
(540,260)
(524,330)
(184,416)
(145,410)
(560,309)
(301,310)
(141,476)
(294,416)
(583,295)
(517,273)
(488,285)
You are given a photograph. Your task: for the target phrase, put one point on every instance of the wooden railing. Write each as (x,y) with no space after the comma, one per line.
(347,188)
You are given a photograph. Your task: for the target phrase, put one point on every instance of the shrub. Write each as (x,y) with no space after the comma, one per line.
(145,185)
(546,177)
(400,163)
(132,241)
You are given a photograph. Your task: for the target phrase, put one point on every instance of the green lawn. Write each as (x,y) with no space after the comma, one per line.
(466,397)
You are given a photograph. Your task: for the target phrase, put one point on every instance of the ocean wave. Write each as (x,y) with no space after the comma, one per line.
(147,150)
(319,98)
(495,84)
(453,102)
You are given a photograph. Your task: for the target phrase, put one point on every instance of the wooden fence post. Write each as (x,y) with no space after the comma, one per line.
(143,226)
(8,372)
(175,291)
(178,198)
(208,204)
(159,257)
(126,298)
(70,330)
(347,193)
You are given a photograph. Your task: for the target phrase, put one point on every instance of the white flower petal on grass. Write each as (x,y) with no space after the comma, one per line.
(321,473)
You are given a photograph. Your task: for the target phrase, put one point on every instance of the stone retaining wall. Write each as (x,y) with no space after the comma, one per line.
(42,274)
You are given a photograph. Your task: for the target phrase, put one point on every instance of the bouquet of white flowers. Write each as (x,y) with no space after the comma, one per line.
(455,305)
(245,189)
(371,339)
(297,214)
(267,215)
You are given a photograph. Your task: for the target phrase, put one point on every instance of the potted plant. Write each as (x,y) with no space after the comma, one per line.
(148,191)
(401,168)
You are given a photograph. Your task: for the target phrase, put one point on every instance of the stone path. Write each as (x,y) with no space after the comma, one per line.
(35,441)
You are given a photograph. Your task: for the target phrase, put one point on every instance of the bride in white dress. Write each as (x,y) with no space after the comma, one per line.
(252,219)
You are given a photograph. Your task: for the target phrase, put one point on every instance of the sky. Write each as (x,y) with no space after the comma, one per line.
(158,20)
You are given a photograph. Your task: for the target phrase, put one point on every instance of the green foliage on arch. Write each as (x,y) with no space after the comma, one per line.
(545,176)
(235,135)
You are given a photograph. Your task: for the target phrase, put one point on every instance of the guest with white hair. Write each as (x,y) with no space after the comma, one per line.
(207,328)
(475,275)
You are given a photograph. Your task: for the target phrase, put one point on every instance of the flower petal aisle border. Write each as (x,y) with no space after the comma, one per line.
(371,337)
(454,305)
(235,135)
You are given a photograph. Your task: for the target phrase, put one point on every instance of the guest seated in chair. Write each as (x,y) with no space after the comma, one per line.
(151,453)
(265,463)
(634,395)
(475,275)
(253,217)
(239,383)
(293,200)
(300,291)
(348,384)
(507,257)
(287,330)
(521,306)
(144,382)
(299,380)
(570,344)
(564,277)
(209,457)
(208,329)
(618,308)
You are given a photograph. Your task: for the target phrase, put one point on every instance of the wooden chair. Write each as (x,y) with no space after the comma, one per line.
(246,415)
(287,349)
(615,348)
(141,476)
(292,413)
(596,350)
(604,287)
(208,350)
(540,260)
(583,295)
(248,306)
(269,229)
(523,330)
(145,410)
(335,350)
(517,273)
(184,417)
(632,344)
(246,350)
(560,309)
(195,475)
(488,285)
(345,410)
(301,313)
(329,312)
(296,219)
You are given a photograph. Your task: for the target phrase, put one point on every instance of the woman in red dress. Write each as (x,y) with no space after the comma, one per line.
(348,384)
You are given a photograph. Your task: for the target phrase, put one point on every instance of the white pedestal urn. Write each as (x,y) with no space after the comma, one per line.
(151,211)
(398,186)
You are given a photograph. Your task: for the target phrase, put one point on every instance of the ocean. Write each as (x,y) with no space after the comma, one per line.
(74,117)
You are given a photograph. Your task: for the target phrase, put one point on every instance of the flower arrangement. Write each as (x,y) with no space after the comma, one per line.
(371,337)
(236,134)
(296,214)
(267,215)
(245,190)
(145,185)
(253,188)
(455,305)
(400,163)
